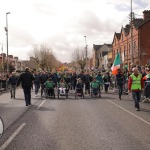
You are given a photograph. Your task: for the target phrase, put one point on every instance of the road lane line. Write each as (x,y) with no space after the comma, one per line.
(41,104)
(12,137)
(129,112)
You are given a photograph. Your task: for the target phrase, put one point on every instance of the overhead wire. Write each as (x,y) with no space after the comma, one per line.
(142,4)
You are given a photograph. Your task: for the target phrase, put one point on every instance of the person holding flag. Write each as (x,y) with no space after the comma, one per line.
(116,64)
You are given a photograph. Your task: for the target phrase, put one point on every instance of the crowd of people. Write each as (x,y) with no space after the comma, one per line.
(133,81)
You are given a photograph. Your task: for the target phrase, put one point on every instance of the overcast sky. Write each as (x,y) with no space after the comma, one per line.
(62,24)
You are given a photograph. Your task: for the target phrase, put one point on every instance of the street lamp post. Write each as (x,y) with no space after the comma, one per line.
(86,52)
(131,24)
(6,29)
(2,57)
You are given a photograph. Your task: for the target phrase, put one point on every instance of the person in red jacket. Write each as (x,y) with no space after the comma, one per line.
(136,85)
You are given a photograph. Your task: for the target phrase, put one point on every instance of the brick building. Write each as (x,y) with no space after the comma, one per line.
(141,41)
(14,61)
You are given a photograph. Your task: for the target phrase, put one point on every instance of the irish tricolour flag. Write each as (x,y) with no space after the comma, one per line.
(116,64)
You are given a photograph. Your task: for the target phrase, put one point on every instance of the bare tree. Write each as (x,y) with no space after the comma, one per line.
(44,57)
(79,56)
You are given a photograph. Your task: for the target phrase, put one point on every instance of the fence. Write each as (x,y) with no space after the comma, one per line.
(3,85)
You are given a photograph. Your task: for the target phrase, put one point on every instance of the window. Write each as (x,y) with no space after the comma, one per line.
(129,49)
(117,50)
(124,51)
(99,55)
(134,47)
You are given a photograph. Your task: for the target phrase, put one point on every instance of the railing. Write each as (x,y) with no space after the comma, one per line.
(3,85)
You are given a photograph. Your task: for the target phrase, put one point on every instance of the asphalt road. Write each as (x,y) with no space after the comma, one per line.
(74,124)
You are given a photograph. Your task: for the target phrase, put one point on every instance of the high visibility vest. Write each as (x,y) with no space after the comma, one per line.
(136,82)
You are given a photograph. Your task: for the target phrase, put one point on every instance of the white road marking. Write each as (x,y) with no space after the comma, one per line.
(12,137)
(129,112)
(41,104)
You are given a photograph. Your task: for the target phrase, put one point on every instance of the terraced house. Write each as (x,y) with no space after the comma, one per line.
(141,41)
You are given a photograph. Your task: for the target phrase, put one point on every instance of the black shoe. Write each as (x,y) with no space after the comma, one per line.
(26,105)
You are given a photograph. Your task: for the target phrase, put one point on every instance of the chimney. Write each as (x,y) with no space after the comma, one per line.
(146,14)
(16,58)
(3,54)
(10,56)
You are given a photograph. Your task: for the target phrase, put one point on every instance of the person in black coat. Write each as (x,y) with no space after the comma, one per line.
(107,80)
(13,83)
(120,79)
(36,82)
(43,78)
(74,80)
(26,79)
(87,80)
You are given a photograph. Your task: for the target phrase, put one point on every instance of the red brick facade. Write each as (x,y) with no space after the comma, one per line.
(141,42)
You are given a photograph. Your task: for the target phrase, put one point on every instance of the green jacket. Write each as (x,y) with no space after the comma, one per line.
(49,84)
(100,79)
(95,84)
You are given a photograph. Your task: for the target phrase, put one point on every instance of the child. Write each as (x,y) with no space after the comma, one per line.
(63,86)
(49,85)
(79,84)
(95,85)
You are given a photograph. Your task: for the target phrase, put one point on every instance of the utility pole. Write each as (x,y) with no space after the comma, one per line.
(86,53)
(2,58)
(6,29)
(131,30)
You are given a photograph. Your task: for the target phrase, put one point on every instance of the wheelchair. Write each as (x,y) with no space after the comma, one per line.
(62,92)
(49,93)
(96,92)
(79,93)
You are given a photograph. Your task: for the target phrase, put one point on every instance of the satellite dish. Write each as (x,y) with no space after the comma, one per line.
(1,127)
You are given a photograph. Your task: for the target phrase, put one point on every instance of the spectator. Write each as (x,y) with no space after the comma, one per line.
(13,83)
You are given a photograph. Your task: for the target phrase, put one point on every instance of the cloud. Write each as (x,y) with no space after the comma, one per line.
(47,9)
(20,38)
(141,3)
(122,7)
(63,24)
